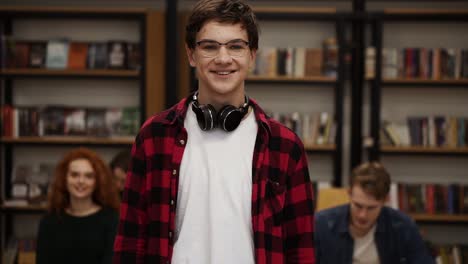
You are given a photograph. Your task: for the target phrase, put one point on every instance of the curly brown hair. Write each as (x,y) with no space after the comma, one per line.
(222,11)
(105,193)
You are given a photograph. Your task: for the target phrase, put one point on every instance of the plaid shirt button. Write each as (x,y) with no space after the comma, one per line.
(182,142)
(174,172)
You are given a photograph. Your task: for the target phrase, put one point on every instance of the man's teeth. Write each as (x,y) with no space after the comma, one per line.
(223,73)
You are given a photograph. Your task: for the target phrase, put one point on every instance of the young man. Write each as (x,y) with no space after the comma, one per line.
(366,231)
(119,166)
(213,179)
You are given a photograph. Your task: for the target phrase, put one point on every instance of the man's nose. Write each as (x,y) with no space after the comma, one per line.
(362,212)
(223,55)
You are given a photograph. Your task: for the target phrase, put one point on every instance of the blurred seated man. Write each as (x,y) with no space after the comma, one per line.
(119,167)
(366,231)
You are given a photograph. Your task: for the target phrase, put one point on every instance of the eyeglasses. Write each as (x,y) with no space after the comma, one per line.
(235,48)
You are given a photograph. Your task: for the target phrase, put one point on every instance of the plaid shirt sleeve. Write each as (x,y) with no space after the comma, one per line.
(130,242)
(298,222)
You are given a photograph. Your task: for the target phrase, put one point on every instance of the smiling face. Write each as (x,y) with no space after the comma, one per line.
(221,78)
(364,210)
(81,180)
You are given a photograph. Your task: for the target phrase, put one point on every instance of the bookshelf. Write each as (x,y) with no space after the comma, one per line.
(423,150)
(440,219)
(426,95)
(70,73)
(424,82)
(68,140)
(141,88)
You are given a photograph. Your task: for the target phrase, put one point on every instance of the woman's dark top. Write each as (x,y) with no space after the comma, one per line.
(69,239)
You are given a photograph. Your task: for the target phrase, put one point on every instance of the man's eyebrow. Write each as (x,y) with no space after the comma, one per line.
(361,205)
(212,40)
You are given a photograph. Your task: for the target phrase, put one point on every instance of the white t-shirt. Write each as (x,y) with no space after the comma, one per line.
(213,215)
(365,250)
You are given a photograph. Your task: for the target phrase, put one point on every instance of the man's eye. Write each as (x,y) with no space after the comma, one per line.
(236,47)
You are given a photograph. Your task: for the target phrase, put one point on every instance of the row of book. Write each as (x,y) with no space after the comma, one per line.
(430,198)
(30,183)
(313,128)
(427,131)
(54,120)
(450,254)
(425,63)
(67,54)
(297,61)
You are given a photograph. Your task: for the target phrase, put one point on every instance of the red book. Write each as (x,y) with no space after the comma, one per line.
(430,208)
(77,54)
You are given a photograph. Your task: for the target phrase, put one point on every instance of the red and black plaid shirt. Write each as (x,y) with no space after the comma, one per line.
(282,208)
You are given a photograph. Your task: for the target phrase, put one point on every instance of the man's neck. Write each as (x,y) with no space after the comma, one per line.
(358,232)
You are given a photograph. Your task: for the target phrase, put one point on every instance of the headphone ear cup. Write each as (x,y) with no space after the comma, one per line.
(206,117)
(229,118)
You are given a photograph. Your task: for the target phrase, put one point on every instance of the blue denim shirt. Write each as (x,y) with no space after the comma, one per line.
(396,236)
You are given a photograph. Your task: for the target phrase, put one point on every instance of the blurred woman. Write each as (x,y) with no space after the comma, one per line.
(82,217)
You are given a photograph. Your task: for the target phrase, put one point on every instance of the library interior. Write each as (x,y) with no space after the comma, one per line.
(357,81)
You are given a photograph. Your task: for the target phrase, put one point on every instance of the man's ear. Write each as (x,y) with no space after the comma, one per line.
(190,55)
(387,198)
(253,56)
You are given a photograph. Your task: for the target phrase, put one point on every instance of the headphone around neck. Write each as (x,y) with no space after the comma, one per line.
(228,118)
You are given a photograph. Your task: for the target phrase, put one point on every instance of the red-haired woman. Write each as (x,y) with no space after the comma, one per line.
(82,214)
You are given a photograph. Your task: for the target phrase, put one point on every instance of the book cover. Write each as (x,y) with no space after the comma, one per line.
(130,122)
(96,122)
(53,120)
(299,62)
(134,56)
(57,54)
(114,121)
(313,62)
(117,54)
(77,55)
(97,55)
(75,122)
(22,49)
(330,57)
(37,56)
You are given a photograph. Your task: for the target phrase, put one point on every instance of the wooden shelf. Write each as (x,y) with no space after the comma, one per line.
(70,72)
(425,81)
(440,218)
(73,10)
(70,140)
(320,148)
(298,10)
(424,11)
(421,149)
(306,79)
